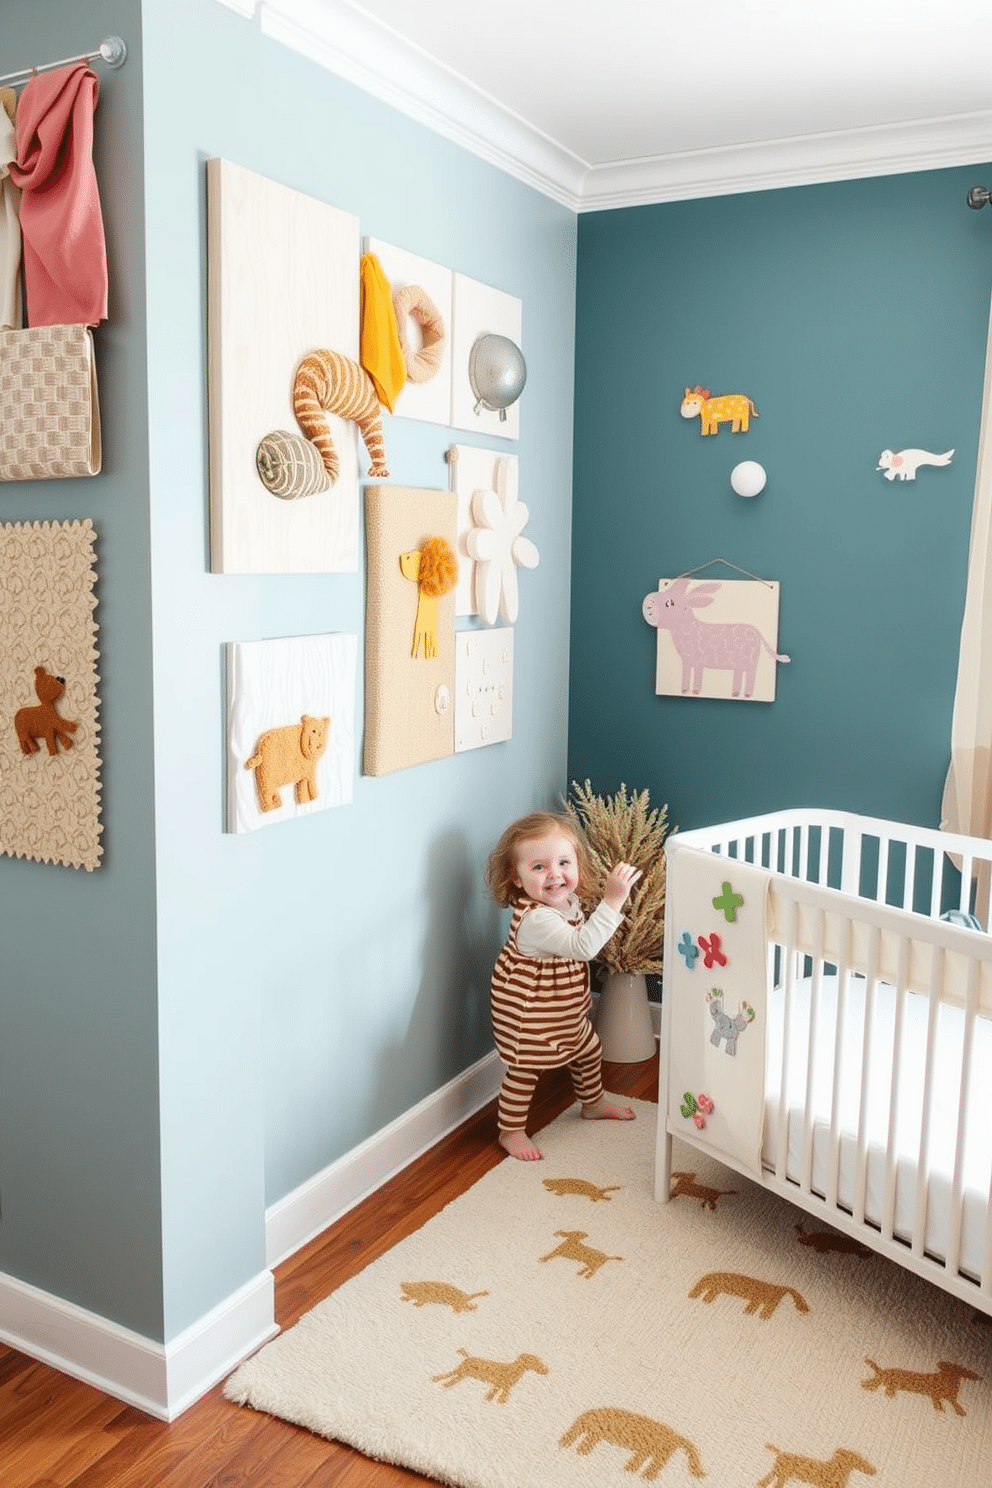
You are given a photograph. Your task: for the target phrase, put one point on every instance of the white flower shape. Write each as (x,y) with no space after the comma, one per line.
(498,547)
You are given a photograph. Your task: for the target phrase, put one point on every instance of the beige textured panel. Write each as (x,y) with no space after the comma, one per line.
(409,700)
(282,281)
(49,405)
(49,802)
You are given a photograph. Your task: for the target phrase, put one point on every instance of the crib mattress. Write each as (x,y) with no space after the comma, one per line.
(904,1131)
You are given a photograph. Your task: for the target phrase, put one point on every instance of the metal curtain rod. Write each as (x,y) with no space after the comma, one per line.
(111,50)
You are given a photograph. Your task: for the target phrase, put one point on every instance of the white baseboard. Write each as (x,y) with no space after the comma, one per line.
(294,1220)
(160,1379)
(164,1379)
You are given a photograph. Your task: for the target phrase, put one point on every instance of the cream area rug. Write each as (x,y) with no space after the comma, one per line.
(554,1326)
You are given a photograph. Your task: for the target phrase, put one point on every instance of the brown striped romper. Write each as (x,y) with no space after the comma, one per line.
(540,1012)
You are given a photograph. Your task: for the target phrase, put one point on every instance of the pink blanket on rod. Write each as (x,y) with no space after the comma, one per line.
(65,254)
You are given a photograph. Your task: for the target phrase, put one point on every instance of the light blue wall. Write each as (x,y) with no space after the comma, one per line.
(855,315)
(289,991)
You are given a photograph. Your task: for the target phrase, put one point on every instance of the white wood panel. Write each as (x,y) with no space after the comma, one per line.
(271,684)
(283,281)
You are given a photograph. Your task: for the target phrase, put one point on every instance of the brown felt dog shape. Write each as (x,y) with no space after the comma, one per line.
(42,721)
(288,756)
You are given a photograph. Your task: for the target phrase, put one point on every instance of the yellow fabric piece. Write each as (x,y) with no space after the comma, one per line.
(380,352)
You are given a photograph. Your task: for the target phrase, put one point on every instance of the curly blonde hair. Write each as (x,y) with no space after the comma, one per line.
(501,870)
(438,568)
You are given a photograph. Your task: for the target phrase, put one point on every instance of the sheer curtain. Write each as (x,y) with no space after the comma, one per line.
(967,803)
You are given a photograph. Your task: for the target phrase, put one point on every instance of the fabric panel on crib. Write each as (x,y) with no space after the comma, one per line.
(717,1022)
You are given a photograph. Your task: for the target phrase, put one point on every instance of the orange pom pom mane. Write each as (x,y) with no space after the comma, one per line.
(438,568)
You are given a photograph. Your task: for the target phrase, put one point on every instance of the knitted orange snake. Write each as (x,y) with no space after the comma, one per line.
(329,380)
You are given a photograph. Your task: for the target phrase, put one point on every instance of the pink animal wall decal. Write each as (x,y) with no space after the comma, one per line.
(728,646)
(732,408)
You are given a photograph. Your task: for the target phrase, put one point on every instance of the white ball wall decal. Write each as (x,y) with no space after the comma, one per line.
(748,478)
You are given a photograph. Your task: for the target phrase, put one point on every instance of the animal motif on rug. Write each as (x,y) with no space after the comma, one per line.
(686,1187)
(943,1384)
(790,1467)
(43,720)
(500,1377)
(823,1240)
(761,1296)
(649,1442)
(328,380)
(420,1293)
(572,1249)
(581,1188)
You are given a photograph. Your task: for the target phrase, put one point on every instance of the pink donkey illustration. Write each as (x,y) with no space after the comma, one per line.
(731,646)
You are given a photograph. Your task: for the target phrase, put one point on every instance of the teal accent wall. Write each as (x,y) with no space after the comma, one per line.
(209,1020)
(855,315)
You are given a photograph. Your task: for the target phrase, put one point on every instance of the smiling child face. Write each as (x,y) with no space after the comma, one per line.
(547,868)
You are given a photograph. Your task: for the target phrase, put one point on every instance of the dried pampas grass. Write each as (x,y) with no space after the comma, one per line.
(623,828)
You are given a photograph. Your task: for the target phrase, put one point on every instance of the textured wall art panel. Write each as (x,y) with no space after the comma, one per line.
(282,283)
(291,728)
(425,287)
(480,310)
(409,629)
(49,729)
(483,687)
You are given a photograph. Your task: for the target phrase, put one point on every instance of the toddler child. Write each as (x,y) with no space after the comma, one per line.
(540,988)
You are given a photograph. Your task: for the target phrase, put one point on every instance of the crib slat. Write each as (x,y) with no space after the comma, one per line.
(920,1215)
(953,1251)
(843,986)
(815,1007)
(782,1128)
(909,893)
(871,995)
(895,1103)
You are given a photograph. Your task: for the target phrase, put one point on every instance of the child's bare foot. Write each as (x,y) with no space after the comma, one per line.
(518,1144)
(604,1110)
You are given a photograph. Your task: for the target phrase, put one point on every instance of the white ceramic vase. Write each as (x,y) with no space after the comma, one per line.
(624,1021)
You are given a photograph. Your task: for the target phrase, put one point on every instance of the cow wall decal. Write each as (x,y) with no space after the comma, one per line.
(731,654)
(729,408)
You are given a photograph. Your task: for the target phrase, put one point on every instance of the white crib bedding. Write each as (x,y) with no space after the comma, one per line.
(907,1124)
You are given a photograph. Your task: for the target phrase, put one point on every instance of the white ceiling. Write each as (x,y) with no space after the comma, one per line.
(608,102)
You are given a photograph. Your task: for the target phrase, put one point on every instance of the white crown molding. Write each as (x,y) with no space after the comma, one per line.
(889,149)
(162,1379)
(350,43)
(355,47)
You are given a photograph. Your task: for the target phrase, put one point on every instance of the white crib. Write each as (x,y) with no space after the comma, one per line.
(861,1087)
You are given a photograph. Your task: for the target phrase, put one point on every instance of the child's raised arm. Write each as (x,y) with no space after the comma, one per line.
(619,882)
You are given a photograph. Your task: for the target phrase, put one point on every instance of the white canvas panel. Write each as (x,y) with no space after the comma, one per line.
(282,282)
(428,401)
(483,687)
(471,469)
(716,638)
(271,685)
(479,310)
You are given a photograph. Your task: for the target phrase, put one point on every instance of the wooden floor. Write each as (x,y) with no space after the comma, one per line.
(56,1431)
